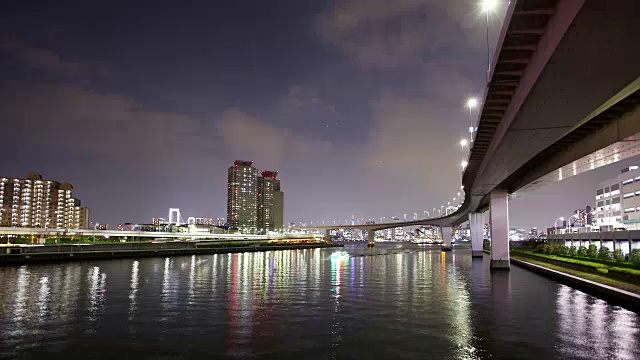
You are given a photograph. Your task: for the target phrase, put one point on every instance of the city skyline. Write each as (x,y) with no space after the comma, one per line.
(363,117)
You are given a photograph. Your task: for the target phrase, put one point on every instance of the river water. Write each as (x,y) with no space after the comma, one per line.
(394,301)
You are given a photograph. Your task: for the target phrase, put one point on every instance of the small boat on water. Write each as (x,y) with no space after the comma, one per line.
(339,255)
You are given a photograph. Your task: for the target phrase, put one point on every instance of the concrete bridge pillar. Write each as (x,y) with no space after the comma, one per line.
(476,225)
(499,213)
(371,238)
(447,232)
(327,235)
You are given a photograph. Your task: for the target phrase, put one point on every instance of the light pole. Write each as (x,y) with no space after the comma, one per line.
(487,7)
(439,212)
(415,216)
(434,211)
(472,103)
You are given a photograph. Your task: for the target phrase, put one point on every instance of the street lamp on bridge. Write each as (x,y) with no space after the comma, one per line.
(488,6)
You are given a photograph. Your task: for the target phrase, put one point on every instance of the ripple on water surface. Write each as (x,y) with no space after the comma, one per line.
(392,301)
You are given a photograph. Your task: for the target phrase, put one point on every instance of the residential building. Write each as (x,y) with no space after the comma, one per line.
(270,200)
(618,200)
(242,209)
(81,217)
(38,203)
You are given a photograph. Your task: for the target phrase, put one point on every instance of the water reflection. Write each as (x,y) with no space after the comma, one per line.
(95,293)
(22,285)
(133,291)
(458,299)
(43,297)
(338,266)
(590,328)
(392,301)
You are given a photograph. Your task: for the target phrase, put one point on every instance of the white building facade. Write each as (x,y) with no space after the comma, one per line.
(618,200)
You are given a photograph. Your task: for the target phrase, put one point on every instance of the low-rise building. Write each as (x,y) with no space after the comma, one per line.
(618,200)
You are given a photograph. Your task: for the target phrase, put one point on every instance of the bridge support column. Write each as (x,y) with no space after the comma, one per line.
(371,238)
(499,213)
(327,235)
(447,232)
(393,234)
(476,225)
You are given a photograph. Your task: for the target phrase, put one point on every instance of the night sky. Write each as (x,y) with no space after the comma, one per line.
(142,105)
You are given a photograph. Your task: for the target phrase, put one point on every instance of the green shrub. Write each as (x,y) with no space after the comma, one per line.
(618,255)
(573,251)
(582,251)
(542,248)
(604,253)
(634,256)
(563,250)
(592,251)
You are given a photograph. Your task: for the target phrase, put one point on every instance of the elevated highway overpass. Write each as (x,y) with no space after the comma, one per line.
(562,98)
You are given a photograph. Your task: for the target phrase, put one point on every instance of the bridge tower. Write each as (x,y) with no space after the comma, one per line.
(174,216)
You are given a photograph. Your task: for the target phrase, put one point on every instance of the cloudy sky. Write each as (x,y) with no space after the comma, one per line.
(142,105)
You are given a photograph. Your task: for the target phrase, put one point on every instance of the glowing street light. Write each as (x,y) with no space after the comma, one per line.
(464,164)
(464,142)
(472,103)
(487,6)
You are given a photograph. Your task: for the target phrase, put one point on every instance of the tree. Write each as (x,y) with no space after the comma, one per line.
(604,253)
(592,252)
(563,250)
(573,251)
(618,255)
(582,251)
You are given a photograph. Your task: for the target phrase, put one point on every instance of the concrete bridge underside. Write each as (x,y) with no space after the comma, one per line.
(563,94)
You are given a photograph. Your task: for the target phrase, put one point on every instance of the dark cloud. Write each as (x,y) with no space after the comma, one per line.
(48,61)
(360,108)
